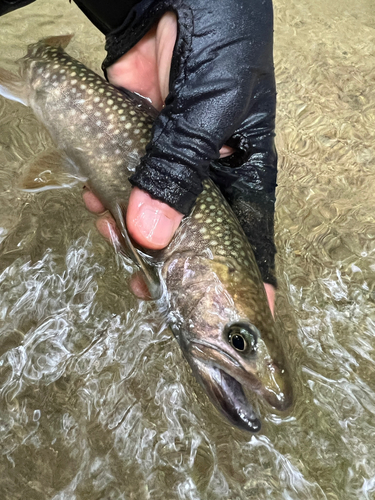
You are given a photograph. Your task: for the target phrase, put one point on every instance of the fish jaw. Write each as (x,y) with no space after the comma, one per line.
(262,376)
(226,394)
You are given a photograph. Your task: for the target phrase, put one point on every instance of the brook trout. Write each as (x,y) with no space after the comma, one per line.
(213,292)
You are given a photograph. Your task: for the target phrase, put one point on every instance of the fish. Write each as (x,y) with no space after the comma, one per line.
(206,282)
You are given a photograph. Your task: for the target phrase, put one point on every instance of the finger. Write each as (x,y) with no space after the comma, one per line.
(139,287)
(150,222)
(271,293)
(93,204)
(106,226)
(226,151)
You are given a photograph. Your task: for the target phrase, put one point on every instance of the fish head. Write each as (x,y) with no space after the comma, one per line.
(227,333)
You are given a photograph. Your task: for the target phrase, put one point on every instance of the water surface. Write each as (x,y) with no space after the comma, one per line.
(96,400)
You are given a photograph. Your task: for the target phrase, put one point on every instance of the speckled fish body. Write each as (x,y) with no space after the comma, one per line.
(215,298)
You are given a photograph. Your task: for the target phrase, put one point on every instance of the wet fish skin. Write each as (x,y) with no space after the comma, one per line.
(214,292)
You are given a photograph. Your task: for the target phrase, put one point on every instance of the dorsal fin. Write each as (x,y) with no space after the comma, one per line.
(57,41)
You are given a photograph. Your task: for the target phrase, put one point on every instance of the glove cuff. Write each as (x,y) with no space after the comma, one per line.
(179,192)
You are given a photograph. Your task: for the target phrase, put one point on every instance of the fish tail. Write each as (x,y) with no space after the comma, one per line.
(13,87)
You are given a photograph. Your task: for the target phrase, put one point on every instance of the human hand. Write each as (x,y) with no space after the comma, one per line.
(145,69)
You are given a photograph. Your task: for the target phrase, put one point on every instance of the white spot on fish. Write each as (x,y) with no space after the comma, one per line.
(90,91)
(96,99)
(98,123)
(128,125)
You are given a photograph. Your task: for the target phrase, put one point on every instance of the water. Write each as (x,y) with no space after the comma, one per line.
(96,400)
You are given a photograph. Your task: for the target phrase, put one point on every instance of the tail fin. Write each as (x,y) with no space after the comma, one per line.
(12,87)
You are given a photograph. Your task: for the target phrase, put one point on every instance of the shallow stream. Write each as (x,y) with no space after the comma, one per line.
(96,400)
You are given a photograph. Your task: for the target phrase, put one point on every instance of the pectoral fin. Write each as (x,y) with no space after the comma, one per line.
(45,172)
(149,275)
(13,87)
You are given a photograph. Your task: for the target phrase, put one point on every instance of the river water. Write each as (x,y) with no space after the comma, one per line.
(96,401)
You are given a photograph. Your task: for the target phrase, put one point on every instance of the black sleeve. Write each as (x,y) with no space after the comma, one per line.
(106,15)
(7,6)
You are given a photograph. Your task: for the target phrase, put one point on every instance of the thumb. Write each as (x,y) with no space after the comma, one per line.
(151,223)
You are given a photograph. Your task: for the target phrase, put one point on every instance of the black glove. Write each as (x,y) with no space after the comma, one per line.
(222,91)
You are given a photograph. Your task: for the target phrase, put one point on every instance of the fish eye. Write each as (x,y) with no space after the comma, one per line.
(242,337)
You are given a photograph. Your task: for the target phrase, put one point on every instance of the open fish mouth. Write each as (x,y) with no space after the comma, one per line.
(224,385)
(227,394)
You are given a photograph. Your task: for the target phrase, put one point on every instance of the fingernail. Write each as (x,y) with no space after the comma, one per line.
(155,225)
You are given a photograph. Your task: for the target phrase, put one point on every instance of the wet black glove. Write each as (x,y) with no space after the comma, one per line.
(222,91)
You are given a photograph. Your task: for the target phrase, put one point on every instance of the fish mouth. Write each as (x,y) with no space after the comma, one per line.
(227,394)
(223,378)
(224,391)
